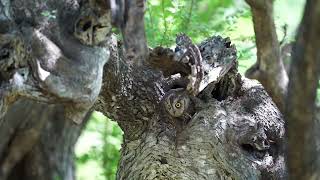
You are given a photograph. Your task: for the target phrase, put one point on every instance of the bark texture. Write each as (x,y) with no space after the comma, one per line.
(52,52)
(297,101)
(41,52)
(55,52)
(237,133)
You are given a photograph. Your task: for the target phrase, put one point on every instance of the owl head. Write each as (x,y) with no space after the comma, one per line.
(176,103)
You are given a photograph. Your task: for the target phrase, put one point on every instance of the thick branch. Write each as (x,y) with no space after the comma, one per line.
(269,69)
(57,58)
(303,157)
(230,138)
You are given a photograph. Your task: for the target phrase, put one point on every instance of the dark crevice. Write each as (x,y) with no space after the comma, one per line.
(248,147)
(228,44)
(163,160)
(4,54)
(228,86)
(86,26)
(5,51)
(257,154)
(10,68)
(176,86)
(220,92)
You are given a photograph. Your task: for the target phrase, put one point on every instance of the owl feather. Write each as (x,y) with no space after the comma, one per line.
(178,104)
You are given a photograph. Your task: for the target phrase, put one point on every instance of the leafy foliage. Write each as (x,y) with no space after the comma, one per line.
(98,147)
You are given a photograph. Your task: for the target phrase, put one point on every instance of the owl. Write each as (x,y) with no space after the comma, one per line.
(178,104)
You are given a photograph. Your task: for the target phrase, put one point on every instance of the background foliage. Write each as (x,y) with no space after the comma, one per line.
(98,148)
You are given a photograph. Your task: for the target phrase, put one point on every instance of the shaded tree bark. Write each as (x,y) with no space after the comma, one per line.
(50,154)
(51,52)
(299,103)
(220,136)
(302,127)
(269,69)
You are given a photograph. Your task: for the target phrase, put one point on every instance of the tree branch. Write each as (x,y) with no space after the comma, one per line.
(130,16)
(54,59)
(269,69)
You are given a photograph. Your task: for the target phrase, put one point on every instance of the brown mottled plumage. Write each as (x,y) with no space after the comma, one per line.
(178,104)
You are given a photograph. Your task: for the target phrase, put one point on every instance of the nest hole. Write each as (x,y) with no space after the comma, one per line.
(4,54)
(254,152)
(86,26)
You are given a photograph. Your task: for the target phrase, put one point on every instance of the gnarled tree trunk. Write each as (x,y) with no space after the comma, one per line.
(52,52)
(237,131)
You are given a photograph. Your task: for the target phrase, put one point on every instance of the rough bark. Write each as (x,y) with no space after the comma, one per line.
(40,54)
(302,126)
(237,133)
(269,68)
(299,103)
(52,52)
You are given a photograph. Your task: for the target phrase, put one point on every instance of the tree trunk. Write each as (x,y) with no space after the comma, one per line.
(237,132)
(297,101)
(303,127)
(45,152)
(52,52)
(185,114)
(269,68)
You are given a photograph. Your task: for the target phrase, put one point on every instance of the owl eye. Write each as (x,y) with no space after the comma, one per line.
(178,105)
